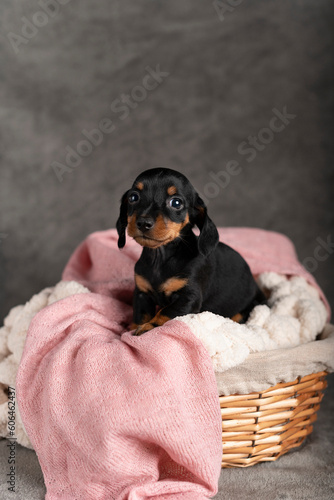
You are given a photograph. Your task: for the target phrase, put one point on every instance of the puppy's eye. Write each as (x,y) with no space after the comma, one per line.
(133,198)
(176,203)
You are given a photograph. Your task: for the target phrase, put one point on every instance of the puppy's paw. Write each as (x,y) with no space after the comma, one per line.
(143,328)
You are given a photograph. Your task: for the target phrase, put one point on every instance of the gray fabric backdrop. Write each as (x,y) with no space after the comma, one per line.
(191,85)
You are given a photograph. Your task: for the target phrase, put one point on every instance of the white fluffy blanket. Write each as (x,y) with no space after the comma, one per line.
(296,316)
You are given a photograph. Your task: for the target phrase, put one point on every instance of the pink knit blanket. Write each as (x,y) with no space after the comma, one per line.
(112,416)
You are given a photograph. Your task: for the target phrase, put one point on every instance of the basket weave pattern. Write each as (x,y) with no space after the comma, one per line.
(260,427)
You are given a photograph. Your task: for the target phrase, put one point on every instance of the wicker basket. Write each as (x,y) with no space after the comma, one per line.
(260,427)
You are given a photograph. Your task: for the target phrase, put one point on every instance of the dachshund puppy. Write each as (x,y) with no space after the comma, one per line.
(178,272)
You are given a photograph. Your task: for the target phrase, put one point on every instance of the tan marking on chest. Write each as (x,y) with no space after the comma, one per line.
(142,283)
(172,285)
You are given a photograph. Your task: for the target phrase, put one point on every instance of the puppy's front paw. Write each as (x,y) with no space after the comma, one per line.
(143,328)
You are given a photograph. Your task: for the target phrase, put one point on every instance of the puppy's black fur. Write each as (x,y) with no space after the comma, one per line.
(178,272)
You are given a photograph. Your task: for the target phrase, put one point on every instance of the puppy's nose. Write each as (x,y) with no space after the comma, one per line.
(145,223)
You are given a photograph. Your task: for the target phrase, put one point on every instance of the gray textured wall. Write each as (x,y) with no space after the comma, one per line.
(224,74)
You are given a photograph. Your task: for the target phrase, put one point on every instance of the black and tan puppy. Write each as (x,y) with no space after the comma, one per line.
(178,272)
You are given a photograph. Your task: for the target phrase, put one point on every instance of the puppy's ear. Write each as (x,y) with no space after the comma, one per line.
(209,237)
(122,220)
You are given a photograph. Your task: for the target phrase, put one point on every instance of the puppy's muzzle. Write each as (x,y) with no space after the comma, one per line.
(144,224)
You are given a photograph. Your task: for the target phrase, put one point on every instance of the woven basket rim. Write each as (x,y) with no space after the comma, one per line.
(262,426)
